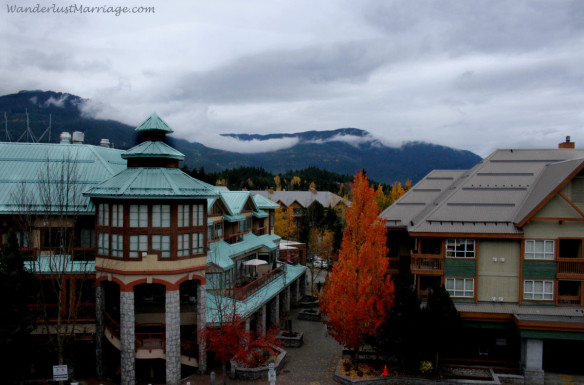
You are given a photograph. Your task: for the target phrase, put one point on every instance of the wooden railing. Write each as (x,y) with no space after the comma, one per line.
(259,231)
(393,265)
(233,238)
(428,264)
(569,300)
(570,268)
(241,293)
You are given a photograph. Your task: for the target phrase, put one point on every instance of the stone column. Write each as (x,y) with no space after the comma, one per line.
(275,311)
(261,321)
(99,329)
(127,338)
(201,325)
(172,307)
(286,300)
(533,355)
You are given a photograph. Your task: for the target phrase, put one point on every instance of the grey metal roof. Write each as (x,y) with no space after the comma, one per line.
(304,198)
(151,182)
(154,123)
(149,149)
(264,203)
(491,198)
(520,311)
(28,164)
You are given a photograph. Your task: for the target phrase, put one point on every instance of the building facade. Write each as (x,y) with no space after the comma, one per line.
(160,250)
(505,239)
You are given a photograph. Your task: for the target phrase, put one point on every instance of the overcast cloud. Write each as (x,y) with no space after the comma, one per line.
(474,75)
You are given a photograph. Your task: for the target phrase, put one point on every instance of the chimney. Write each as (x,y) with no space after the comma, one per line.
(271,190)
(567,143)
(65,138)
(104,143)
(78,137)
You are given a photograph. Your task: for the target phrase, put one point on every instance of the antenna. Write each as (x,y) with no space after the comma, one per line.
(48,129)
(8,138)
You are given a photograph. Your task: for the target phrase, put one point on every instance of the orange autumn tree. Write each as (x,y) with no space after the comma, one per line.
(359,293)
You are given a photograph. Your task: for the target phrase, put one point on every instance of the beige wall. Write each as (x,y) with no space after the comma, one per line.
(500,278)
(553,230)
(557,207)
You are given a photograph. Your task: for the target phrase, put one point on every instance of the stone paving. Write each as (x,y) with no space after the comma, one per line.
(311,364)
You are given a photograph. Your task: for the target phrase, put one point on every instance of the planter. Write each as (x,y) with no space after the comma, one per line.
(309,315)
(261,372)
(308,301)
(290,339)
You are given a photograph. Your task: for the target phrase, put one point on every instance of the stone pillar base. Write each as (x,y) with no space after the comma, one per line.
(534,377)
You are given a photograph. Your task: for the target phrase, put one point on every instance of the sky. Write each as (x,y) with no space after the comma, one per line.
(473,75)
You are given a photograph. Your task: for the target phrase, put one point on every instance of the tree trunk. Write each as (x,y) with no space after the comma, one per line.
(356,359)
(224,372)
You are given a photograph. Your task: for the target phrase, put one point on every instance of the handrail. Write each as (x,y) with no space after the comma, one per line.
(570,266)
(244,292)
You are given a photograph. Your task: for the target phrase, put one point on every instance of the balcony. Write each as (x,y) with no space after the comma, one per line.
(248,289)
(259,231)
(233,238)
(427,264)
(570,268)
(393,266)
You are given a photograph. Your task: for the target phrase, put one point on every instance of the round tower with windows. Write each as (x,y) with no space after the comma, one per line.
(151,258)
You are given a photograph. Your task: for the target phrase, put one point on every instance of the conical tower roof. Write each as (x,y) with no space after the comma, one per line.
(154,123)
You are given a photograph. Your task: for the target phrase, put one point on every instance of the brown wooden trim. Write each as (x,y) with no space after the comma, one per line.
(149,272)
(571,203)
(549,326)
(467,235)
(521,259)
(546,200)
(556,219)
(486,317)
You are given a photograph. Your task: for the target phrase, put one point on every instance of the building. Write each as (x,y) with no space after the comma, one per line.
(160,250)
(299,201)
(505,239)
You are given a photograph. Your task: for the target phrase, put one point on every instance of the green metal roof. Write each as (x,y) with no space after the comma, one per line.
(221,253)
(54,264)
(264,203)
(235,200)
(234,218)
(149,149)
(260,214)
(32,165)
(255,301)
(151,182)
(154,123)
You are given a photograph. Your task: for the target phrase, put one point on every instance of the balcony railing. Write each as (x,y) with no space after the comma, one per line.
(569,300)
(427,264)
(570,268)
(393,265)
(259,231)
(241,293)
(233,238)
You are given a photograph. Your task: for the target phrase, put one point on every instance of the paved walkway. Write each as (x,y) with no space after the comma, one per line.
(311,364)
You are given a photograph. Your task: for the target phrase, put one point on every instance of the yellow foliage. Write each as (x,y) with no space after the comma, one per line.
(284,223)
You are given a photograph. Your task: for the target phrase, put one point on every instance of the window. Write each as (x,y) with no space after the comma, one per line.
(184,212)
(161,243)
(118,215)
(183,245)
(198,215)
(22,237)
(198,243)
(160,215)
(218,230)
(117,245)
(138,215)
(460,248)
(55,238)
(272,219)
(86,238)
(103,214)
(103,243)
(538,290)
(539,249)
(138,243)
(460,287)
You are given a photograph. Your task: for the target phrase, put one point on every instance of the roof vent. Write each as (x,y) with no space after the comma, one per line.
(65,138)
(567,143)
(104,143)
(78,137)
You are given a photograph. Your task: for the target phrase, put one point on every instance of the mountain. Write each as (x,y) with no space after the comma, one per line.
(344,151)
